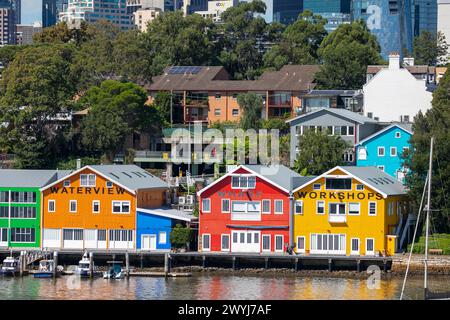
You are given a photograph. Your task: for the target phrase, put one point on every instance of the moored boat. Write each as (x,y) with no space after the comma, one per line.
(47,269)
(115,271)
(10,267)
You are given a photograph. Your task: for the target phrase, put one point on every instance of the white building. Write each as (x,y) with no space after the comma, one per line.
(444,19)
(143,17)
(216,8)
(395,94)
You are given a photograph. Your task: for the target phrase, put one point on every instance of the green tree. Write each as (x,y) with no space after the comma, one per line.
(428,48)
(319,152)
(8,53)
(36,89)
(435,123)
(299,43)
(61,33)
(181,236)
(162,105)
(71,163)
(346,53)
(251,106)
(115,110)
(243,37)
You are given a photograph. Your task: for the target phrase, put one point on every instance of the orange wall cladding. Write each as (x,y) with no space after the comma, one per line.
(84,217)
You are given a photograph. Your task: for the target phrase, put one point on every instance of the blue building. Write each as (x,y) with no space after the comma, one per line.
(336,12)
(425,16)
(153,227)
(384,149)
(286,11)
(389,20)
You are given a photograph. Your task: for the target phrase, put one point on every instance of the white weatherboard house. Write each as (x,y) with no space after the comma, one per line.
(394,94)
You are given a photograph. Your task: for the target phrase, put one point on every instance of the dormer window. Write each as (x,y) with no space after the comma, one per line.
(66,183)
(243,182)
(338,183)
(109,184)
(87,180)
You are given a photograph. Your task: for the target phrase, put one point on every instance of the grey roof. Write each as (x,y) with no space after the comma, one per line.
(170,213)
(331,93)
(377,179)
(350,115)
(62,173)
(280,175)
(130,176)
(15,178)
(405,126)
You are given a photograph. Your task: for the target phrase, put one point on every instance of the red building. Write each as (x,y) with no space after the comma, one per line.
(248,210)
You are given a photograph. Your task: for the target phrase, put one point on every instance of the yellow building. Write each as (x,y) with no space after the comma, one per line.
(349,211)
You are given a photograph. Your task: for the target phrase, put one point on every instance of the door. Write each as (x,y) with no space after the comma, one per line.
(3,237)
(370,247)
(148,242)
(246,241)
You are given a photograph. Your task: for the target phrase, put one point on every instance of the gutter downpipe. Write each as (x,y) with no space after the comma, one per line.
(291,216)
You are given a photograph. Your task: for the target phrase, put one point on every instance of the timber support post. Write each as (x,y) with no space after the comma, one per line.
(55,261)
(358,265)
(91,265)
(127,264)
(330,265)
(204,261)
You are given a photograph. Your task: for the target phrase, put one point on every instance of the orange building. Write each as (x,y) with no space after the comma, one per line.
(205,94)
(95,207)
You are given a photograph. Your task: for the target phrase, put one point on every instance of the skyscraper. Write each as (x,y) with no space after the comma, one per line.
(8,22)
(425,16)
(389,20)
(286,11)
(337,12)
(51,10)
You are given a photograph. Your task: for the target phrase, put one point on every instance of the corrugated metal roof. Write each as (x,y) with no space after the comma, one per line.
(16,178)
(419,69)
(280,175)
(405,126)
(130,176)
(350,115)
(169,213)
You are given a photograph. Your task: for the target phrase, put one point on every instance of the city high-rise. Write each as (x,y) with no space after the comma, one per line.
(8,21)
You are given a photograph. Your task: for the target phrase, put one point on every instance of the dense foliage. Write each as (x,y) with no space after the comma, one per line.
(430,49)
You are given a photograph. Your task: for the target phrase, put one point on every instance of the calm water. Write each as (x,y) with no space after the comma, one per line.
(212,287)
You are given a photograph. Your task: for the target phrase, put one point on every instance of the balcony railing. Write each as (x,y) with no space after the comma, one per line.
(337,218)
(198,118)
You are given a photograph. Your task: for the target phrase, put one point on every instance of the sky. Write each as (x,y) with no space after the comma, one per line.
(31,11)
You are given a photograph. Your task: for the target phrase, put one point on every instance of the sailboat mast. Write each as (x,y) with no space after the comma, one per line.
(427,223)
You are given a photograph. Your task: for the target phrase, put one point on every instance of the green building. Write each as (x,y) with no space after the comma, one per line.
(20,206)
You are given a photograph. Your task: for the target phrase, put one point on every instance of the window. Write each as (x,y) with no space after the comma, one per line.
(225,246)
(299,207)
(121,235)
(393,151)
(359,187)
(316,186)
(343,131)
(206,205)
(337,130)
(243,182)
(225,205)
(381,168)
(354,208)
(4,196)
(51,205)
(362,153)
(73,206)
(265,242)
(338,184)
(87,180)
(206,239)
(279,243)
(390,208)
(235,96)
(354,246)
(320,207)
(162,237)
(266,206)
(23,212)
(234,182)
(121,207)
(372,208)
(370,246)
(101,235)
(278,206)
(109,184)
(95,206)
(351,131)
(337,208)
(397,134)
(66,183)
(381,151)
(235,112)
(23,197)
(217,112)
(218,96)
(23,235)
(3,234)
(301,244)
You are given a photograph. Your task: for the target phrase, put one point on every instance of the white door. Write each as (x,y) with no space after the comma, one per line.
(148,242)
(3,237)
(328,244)
(370,247)
(90,239)
(245,241)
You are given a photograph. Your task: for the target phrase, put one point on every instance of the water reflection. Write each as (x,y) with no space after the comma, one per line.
(202,287)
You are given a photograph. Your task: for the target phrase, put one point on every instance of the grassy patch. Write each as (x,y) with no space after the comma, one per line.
(435,241)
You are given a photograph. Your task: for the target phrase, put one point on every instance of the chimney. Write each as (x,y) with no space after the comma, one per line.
(408,61)
(78,164)
(394,61)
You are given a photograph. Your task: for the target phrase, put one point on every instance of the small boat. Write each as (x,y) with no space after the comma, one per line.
(83,267)
(10,267)
(46,269)
(115,271)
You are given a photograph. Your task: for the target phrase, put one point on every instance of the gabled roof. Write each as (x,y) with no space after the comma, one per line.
(418,69)
(343,113)
(372,177)
(129,177)
(401,126)
(279,176)
(169,213)
(16,178)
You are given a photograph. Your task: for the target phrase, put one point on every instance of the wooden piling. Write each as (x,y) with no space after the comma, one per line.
(330,265)
(296,264)
(358,265)
(266,263)
(385,265)
(21,262)
(233,259)
(91,265)
(166,265)
(204,261)
(55,261)
(127,264)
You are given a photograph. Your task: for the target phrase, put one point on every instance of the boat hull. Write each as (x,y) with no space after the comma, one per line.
(44,275)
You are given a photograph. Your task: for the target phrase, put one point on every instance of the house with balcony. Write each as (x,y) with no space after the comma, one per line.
(206,94)
(349,126)
(342,99)
(358,211)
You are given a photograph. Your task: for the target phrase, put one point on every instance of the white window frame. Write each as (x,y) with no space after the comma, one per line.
(221,242)
(54,205)
(229,206)
(162,235)
(246,176)
(121,207)
(373,251)
(66,183)
(317,207)
(378,151)
(398,134)
(203,242)
(368,208)
(70,206)
(317,184)
(337,211)
(262,206)
(393,149)
(203,205)
(359,209)
(295,207)
(275,206)
(361,186)
(93,206)
(353,252)
(87,176)
(304,244)
(275,243)
(262,242)
(109,184)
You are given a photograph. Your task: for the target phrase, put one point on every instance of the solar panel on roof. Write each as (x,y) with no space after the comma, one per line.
(184,69)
